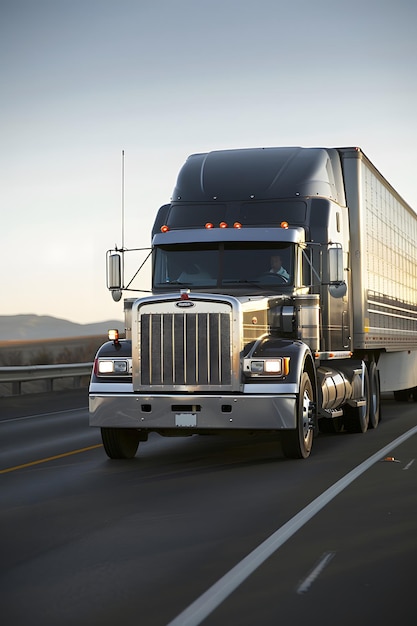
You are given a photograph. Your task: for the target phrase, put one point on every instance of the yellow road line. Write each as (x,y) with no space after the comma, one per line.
(50,458)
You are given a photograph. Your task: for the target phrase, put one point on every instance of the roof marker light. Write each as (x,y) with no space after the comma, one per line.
(164,228)
(209,225)
(284,224)
(223,225)
(237,225)
(113,335)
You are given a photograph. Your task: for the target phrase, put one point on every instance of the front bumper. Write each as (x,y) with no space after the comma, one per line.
(194,412)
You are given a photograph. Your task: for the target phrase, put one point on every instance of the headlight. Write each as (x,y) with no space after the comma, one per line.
(273,367)
(114,367)
(267,367)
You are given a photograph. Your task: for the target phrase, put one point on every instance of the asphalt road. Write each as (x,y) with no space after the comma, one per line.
(204,529)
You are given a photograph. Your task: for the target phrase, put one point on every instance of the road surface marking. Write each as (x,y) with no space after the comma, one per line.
(29,417)
(196,612)
(305,585)
(50,458)
(409,464)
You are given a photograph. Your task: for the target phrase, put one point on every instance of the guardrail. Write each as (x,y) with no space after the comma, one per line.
(19,374)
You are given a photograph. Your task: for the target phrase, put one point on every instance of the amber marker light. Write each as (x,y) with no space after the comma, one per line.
(237,225)
(164,228)
(284,224)
(209,225)
(223,225)
(114,335)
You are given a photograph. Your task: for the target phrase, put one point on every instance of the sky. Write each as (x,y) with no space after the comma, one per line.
(83,80)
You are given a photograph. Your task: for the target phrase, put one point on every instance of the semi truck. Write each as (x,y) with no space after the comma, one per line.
(284,301)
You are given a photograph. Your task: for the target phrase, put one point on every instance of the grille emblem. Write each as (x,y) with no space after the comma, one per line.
(184,304)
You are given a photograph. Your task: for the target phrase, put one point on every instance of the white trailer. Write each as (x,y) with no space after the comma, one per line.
(383,260)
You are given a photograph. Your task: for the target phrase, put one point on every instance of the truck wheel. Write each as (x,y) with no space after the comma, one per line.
(357,418)
(120,443)
(375,395)
(296,444)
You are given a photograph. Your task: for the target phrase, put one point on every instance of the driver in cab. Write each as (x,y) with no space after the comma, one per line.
(276,268)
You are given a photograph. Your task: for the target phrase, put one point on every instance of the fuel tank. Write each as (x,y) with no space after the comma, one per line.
(336,388)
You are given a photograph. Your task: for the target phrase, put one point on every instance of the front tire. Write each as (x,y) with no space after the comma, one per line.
(296,444)
(120,443)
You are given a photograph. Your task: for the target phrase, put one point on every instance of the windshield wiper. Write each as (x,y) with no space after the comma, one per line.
(230,281)
(172,282)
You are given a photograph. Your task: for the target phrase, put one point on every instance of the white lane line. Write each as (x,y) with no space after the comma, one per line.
(305,585)
(215,595)
(409,464)
(34,415)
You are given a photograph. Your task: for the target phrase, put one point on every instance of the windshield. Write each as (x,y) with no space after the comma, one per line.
(224,265)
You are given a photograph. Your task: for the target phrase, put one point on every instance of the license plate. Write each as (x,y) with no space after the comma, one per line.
(186,420)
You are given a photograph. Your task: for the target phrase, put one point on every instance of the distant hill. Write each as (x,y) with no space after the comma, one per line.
(35,327)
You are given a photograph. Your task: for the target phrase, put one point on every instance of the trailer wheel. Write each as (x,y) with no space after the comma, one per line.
(357,418)
(296,444)
(120,443)
(375,396)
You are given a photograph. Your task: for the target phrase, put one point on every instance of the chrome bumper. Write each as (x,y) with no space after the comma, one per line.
(196,412)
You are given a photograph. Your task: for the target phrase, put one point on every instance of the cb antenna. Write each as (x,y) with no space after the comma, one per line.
(123,199)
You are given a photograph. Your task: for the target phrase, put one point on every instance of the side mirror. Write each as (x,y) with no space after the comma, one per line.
(337,285)
(114,271)
(335,265)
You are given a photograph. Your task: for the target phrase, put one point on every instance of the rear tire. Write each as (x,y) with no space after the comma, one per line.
(296,444)
(120,443)
(375,396)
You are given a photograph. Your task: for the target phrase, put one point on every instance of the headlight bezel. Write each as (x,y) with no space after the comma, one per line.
(272,367)
(118,366)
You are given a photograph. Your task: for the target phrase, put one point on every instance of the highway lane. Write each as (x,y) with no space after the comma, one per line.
(89,541)
(39,426)
(352,563)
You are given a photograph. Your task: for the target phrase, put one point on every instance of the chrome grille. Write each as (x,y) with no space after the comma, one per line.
(188,349)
